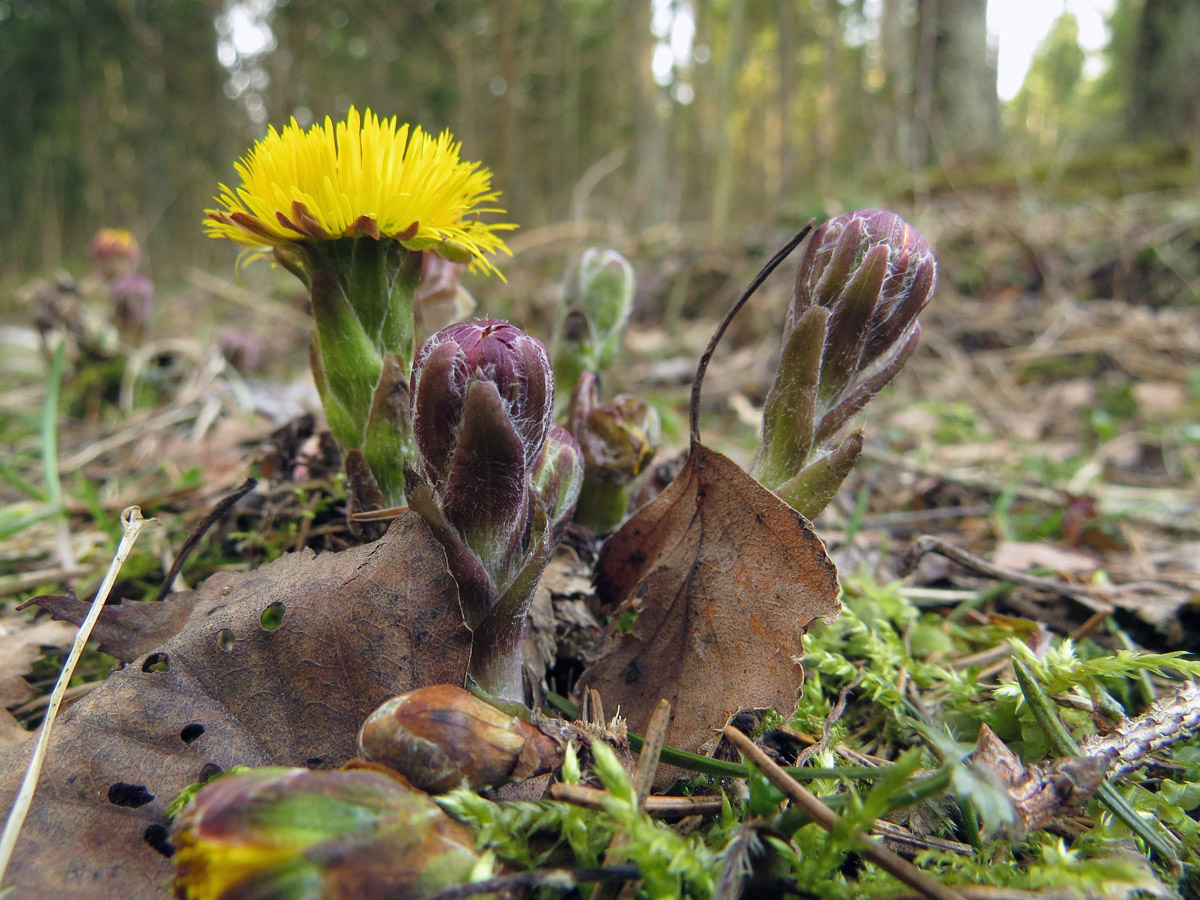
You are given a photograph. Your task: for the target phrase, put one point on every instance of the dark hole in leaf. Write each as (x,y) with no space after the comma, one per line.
(191,732)
(156,662)
(158,838)
(272,616)
(209,770)
(225,638)
(129,795)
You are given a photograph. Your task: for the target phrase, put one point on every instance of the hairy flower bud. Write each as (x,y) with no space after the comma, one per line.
(596,301)
(114,252)
(443,737)
(296,834)
(482,401)
(875,273)
(558,477)
(489,352)
(863,280)
(618,441)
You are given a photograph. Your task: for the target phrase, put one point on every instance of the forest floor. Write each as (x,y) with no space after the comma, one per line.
(1030,489)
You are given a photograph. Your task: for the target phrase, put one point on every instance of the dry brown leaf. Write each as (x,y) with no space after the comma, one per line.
(127,629)
(724,578)
(357,627)
(21,643)
(11,732)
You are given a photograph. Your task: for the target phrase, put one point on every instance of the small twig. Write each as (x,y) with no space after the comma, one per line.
(562,879)
(657,806)
(771,266)
(987,892)
(808,803)
(29,580)
(211,518)
(70,695)
(898,835)
(1163,843)
(133,523)
(649,755)
(1092,598)
(378,515)
(1132,741)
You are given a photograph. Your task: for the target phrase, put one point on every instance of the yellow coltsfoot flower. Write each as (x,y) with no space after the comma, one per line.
(351,209)
(364,177)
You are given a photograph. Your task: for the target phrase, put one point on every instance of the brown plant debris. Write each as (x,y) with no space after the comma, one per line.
(712,586)
(238,685)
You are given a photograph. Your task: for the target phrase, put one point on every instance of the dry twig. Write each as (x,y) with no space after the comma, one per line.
(811,806)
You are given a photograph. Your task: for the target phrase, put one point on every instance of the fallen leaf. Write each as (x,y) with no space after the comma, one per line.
(11,732)
(21,643)
(127,629)
(233,687)
(713,585)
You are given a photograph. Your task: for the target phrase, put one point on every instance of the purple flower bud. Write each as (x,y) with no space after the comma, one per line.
(874,272)
(486,352)
(241,349)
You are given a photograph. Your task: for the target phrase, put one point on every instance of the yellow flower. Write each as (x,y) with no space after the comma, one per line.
(365,177)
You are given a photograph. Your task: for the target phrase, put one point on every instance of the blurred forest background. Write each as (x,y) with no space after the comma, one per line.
(626,114)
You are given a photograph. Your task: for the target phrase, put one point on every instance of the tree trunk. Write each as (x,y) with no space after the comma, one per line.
(958,108)
(1165,95)
(723,179)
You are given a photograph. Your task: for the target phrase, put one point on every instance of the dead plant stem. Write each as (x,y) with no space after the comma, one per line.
(132,523)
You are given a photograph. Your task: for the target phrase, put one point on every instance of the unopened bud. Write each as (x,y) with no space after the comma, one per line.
(863,280)
(558,477)
(114,252)
(619,438)
(296,834)
(874,273)
(241,350)
(515,367)
(443,737)
(596,303)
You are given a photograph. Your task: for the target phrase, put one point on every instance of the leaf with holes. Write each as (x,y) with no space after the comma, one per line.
(279,666)
(713,585)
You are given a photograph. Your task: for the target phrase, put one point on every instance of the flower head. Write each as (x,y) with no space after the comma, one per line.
(281,834)
(114,252)
(364,177)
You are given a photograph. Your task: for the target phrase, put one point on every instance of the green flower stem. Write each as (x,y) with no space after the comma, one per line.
(601,505)
(362,294)
(497,662)
(1159,840)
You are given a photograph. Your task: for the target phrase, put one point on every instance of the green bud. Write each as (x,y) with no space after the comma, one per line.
(596,302)
(618,441)
(296,834)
